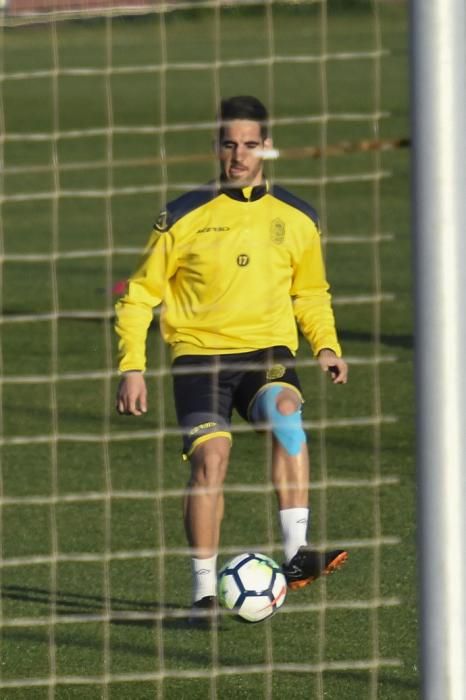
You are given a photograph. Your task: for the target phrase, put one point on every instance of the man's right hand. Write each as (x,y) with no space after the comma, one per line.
(131,398)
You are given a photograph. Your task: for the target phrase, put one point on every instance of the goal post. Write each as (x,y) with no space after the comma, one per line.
(439,139)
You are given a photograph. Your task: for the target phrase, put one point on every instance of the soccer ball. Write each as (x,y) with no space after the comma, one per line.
(252,585)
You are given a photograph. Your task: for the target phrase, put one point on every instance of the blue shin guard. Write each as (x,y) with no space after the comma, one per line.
(288,429)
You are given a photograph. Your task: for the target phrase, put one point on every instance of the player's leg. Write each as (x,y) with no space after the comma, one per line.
(203,508)
(290,465)
(203,512)
(280,408)
(203,407)
(291,473)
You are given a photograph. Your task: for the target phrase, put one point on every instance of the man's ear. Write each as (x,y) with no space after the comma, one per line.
(268,143)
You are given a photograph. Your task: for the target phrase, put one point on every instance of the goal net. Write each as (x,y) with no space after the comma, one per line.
(107,111)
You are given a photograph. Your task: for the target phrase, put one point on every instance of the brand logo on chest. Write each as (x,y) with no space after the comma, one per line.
(213,229)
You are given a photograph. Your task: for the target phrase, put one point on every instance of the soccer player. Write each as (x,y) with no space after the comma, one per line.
(236,266)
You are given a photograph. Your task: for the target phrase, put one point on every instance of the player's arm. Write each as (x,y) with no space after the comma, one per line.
(313,308)
(134,313)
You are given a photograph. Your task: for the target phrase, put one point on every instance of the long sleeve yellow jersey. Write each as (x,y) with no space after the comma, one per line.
(234,270)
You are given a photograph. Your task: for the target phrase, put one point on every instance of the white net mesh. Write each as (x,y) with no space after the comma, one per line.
(107,109)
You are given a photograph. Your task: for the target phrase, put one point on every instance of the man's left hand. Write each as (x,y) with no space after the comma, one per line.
(336,366)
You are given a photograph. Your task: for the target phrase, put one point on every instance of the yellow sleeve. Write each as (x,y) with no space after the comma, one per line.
(145,291)
(312,300)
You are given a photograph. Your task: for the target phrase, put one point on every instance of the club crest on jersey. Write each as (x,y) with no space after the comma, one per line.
(277,231)
(275,372)
(242,260)
(162,222)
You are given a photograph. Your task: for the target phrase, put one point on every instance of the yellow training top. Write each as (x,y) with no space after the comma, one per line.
(234,269)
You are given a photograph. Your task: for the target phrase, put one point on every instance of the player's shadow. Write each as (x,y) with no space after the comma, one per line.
(120,611)
(66,605)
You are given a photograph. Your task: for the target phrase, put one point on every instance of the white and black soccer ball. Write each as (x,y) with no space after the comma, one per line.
(252,585)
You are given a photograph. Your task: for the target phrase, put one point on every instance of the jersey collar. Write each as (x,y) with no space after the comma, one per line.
(244,194)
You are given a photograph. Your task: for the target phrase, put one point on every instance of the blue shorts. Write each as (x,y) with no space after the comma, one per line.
(208,387)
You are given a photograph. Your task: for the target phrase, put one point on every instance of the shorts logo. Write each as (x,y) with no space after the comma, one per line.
(275,372)
(277,231)
(203,426)
(242,260)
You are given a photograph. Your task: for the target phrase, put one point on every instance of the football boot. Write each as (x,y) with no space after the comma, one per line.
(307,565)
(204,613)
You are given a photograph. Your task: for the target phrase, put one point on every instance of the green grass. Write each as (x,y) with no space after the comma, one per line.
(54,492)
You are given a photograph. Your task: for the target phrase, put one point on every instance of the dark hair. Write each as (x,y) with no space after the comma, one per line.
(244,107)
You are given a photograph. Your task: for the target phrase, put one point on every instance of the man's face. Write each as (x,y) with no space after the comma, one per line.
(240,155)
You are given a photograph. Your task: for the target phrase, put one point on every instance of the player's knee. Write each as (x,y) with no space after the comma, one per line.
(288,403)
(209,464)
(282,411)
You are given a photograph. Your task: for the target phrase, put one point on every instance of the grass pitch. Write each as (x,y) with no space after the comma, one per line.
(95,570)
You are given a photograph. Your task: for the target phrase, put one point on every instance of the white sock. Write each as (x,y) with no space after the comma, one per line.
(294,523)
(204,577)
